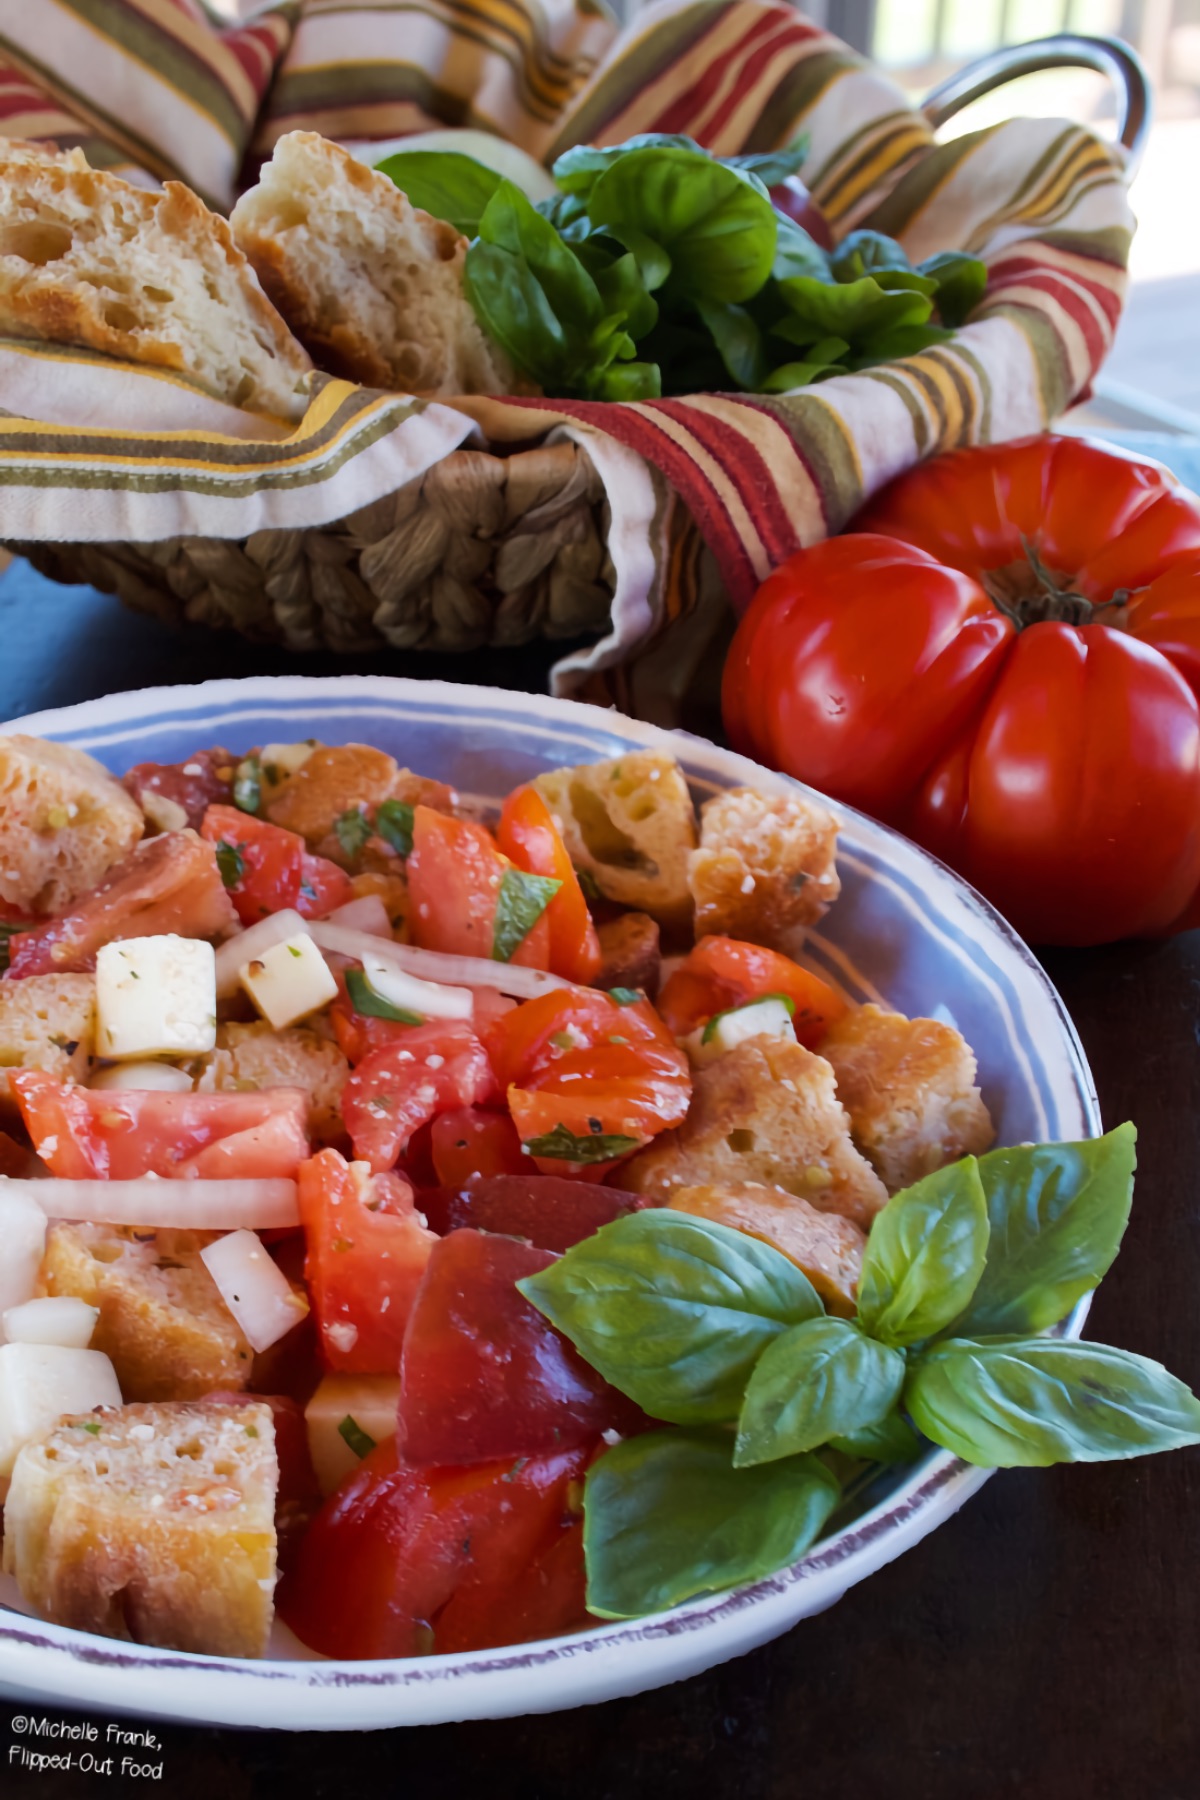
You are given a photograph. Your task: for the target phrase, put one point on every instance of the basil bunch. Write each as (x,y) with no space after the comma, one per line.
(723,1337)
(660,269)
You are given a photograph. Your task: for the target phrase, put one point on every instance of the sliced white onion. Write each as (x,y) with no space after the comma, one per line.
(23,1235)
(236,952)
(255,1289)
(156,1077)
(368,913)
(428,998)
(434,965)
(262,1202)
(59,1319)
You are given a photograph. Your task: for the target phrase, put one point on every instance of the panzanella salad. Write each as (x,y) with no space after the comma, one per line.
(445,1227)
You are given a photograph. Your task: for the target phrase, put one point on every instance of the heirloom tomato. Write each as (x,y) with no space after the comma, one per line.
(1003,659)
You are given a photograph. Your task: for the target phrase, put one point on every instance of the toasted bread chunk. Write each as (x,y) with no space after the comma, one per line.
(765,1112)
(334,780)
(64,821)
(909,1087)
(163,1323)
(47,1022)
(255,1056)
(371,284)
(764,867)
(155,1524)
(85,258)
(828,1248)
(630,949)
(629,824)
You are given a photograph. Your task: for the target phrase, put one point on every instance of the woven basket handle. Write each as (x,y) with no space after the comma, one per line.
(1109,56)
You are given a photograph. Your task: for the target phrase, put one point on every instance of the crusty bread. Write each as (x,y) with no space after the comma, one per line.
(767,1112)
(370,283)
(163,1323)
(827,1247)
(64,821)
(909,1087)
(335,779)
(764,867)
(629,825)
(46,1022)
(630,951)
(151,1523)
(88,259)
(255,1056)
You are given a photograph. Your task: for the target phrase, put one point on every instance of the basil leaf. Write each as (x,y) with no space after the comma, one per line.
(666,1516)
(1008,1403)
(522,901)
(924,1256)
(626,381)
(738,340)
(673,1310)
(508,300)
(716,225)
(796,253)
(394,824)
(576,169)
(962,281)
(353,1435)
(1058,1213)
(370,1005)
(352,829)
(772,166)
(797,375)
(623,290)
(511,222)
(819,1380)
(626,996)
(445,183)
(230,863)
(853,310)
(564,1145)
(892,1440)
(866,252)
(247,785)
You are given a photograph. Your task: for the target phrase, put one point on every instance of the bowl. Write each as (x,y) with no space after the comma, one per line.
(906,931)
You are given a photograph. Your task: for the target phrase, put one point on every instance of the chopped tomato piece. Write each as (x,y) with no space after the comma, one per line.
(204,779)
(584,1074)
(530,838)
(397,1543)
(455,873)
(267,868)
(469,1141)
(169,883)
(360,1033)
(84,1134)
(722,972)
(549,1599)
(484,1373)
(428,1070)
(367,1251)
(547,1210)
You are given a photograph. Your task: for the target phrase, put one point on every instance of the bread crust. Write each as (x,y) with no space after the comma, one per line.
(629,824)
(64,822)
(46,1022)
(826,1246)
(765,866)
(255,1056)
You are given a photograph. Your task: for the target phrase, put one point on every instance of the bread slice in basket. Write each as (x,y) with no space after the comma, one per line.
(87,259)
(372,285)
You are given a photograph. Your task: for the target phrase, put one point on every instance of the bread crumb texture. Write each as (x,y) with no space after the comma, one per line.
(629,825)
(765,865)
(46,1022)
(248,1057)
(155,1524)
(64,820)
(828,1248)
(87,259)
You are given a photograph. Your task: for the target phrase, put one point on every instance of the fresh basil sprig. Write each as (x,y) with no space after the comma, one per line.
(924,1257)
(352,830)
(821,1380)
(394,824)
(521,902)
(561,1145)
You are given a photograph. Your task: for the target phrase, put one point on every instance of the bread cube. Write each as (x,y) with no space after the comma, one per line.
(46,1022)
(334,780)
(255,1056)
(828,1248)
(909,1087)
(630,951)
(155,1524)
(64,821)
(162,1321)
(765,866)
(766,1112)
(629,824)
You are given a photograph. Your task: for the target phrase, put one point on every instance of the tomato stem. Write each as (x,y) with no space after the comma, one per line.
(1048,596)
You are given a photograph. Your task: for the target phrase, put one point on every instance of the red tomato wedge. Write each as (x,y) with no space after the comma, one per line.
(546,1209)
(86,1135)
(205,778)
(469,1141)
(530,838)
(483,1373)
(584,1074)
(397,1543)
(367,1251)
(168,884)
(723,972)
(455,874)
(276,868)
(407,1082)
(549,1599)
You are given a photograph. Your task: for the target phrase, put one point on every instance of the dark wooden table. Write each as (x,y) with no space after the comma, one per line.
(1043,1645)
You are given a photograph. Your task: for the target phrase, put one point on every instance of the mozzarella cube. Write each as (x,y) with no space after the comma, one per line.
(23,1236)
(158,1077)
(254,1288)
(61,1319)
(345,1411)
(288,981)
(41,1382)
(759,1018)
(155,996)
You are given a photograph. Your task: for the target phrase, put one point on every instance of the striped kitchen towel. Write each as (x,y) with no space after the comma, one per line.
(98,453)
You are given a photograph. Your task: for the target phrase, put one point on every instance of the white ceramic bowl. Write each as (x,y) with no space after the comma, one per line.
(905,930)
